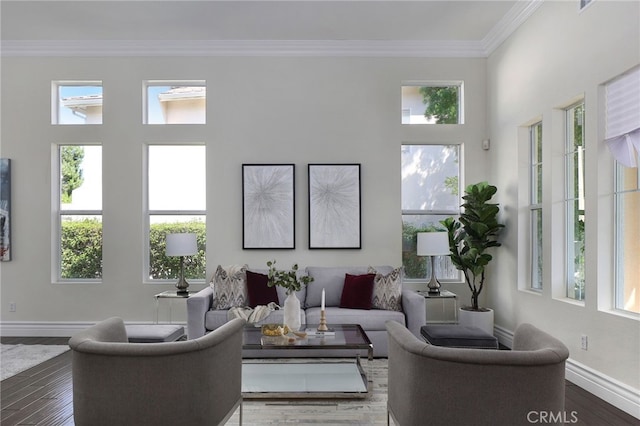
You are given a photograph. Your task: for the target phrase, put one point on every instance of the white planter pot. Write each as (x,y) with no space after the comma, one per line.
(292,312)
(480,319)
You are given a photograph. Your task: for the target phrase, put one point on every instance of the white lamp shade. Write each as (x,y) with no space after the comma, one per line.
(433,244)
(181,244)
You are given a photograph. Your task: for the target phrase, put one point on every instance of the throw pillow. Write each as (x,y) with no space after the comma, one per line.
(229,287)
(387,290)
(258,290)
(357,291)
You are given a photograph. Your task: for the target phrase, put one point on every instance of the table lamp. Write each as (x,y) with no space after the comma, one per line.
(433,244)
(182,245)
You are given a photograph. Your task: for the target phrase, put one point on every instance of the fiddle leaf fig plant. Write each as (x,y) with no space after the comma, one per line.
(473,234)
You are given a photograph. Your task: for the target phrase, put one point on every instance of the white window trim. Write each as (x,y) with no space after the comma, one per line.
(151,83)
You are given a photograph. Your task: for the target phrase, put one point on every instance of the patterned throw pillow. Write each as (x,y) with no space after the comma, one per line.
(229,287)
(387,290)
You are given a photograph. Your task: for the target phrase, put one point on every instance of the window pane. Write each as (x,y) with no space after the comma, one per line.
(80,177)
(435,104)
(575,210)
(162,266)
(417,267)
(430,177)
(81,247)
(177,177)
(176,104)
(78,104)
(536,249)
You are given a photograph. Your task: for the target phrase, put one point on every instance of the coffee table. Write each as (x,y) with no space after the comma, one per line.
(296,377)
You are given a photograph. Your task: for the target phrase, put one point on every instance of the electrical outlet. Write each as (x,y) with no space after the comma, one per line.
(584,342)
(12,306)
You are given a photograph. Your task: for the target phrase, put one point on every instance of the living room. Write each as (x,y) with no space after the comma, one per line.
(270,101)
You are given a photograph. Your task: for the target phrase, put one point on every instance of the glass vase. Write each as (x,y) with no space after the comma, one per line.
(292,312)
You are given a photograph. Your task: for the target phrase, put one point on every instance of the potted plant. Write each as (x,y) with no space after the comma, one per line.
(291,282)
(470,237)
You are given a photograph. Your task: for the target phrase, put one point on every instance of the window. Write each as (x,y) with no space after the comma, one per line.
(432,103)
(430,193)
(574,201)
(176,184)
(175,102)
(79,218)
(535,204)
(622,135)
(77,102)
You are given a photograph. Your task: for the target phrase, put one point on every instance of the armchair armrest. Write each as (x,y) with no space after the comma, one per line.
(415,311)
(197,307)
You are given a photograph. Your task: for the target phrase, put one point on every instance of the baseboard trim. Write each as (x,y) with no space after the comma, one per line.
(51,329)
(614,392)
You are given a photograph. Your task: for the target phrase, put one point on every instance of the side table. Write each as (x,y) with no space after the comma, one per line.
(444,298)
(171,295)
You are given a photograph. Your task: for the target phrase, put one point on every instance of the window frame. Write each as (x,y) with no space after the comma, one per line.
(56,100)
(535,207)
(148,213)
(146,84)
(434,83)
(571,197)
(443,213)
(59,213)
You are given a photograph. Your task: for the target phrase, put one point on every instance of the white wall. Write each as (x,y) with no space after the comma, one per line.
(556,56)
(260,110)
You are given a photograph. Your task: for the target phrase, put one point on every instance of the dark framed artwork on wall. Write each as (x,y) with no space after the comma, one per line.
(334,206)
(268,198)
(5,209)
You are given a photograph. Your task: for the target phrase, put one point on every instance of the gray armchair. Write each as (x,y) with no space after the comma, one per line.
(194,382)
(454,386)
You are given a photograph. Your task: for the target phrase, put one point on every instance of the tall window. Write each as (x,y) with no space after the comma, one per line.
(433,103)
(574,201)
(79,219)
(171,102)
(535,204)
(622,135)
(176,184)
(430,193)
(76,102)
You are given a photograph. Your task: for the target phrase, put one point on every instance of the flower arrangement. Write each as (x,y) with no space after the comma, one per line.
(286,279)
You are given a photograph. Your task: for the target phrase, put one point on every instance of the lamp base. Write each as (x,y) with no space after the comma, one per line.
(182,286)
(433,285)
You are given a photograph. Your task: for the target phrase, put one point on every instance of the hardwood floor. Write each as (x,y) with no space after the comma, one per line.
(42,395)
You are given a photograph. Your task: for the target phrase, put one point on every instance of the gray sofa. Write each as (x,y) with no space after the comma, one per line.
(202,319)
(461,386)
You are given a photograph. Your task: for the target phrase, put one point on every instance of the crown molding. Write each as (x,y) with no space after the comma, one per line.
(353,48)
(303,48)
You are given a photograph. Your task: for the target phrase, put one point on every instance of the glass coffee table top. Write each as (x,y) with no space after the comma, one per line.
(293,377)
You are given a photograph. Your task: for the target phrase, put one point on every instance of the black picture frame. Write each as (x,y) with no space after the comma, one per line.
(5,209)
(268,206)
(335,217)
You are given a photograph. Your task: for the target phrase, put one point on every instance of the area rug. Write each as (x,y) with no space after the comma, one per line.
(17,358)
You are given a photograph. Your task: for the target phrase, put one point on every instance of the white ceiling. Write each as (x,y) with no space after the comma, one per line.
(436,24)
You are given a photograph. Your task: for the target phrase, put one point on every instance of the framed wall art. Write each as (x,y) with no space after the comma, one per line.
(5,209)
(334,206)
(268,219)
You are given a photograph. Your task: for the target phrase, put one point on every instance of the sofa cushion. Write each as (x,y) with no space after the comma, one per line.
(372,320)
(357,291)
(258,291)
(229,287)
(332,280)
(387,289)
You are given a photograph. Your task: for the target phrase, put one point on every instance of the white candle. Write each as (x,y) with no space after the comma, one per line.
(322,306)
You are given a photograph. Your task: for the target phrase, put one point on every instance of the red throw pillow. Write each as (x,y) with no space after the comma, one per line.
(357,291)
(258,291)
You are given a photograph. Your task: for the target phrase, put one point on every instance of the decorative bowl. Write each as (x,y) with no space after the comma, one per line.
(274,330)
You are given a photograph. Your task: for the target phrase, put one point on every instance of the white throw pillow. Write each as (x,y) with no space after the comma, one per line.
(387,290)
(229,287)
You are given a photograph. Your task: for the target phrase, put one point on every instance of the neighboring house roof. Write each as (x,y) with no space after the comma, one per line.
(182,93)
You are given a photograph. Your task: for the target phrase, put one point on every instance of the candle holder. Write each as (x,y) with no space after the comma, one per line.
(323,322)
